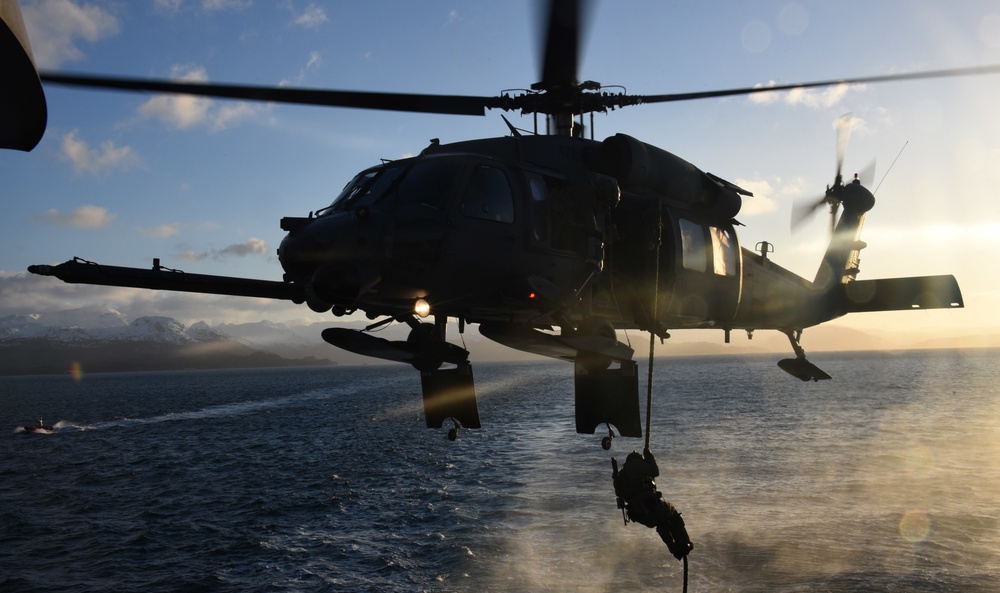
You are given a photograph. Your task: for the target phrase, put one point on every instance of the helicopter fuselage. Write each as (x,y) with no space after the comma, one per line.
(528,230)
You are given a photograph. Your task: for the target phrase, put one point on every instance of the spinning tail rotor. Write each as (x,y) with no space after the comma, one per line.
(835,193)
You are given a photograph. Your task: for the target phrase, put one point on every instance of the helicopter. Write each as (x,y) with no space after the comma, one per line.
(549,241)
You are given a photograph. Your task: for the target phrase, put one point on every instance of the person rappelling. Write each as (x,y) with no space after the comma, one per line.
(641,502)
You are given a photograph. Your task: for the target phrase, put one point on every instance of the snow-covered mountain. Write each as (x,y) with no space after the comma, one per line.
(105,340)
(96,324)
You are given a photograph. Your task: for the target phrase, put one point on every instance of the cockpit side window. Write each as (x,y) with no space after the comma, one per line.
(488,195)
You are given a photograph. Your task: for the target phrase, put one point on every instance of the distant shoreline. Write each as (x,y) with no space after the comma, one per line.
(39,360)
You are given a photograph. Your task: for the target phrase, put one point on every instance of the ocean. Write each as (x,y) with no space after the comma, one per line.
(886,478)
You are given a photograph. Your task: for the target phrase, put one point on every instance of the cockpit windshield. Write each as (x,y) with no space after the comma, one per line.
(426,182)
(365,188)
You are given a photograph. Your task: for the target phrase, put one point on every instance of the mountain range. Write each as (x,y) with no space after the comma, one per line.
(104,340)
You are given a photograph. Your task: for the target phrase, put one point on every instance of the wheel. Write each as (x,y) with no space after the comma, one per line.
(452,434)
(606,443)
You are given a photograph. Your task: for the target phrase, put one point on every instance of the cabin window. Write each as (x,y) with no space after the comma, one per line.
(572,210)
(723,251)
(429,183)
(489,195)
(693,246)
(539,208)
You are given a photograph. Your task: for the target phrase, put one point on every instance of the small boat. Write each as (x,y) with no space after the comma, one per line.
(41,427)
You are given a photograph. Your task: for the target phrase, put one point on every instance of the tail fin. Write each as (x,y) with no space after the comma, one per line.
(840,263)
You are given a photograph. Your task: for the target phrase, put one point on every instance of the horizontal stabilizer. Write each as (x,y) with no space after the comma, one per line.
(903,294)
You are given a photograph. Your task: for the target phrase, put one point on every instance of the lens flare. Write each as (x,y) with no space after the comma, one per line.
(915,526)
(76,371)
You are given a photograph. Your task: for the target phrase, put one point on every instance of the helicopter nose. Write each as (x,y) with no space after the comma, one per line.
(333,257)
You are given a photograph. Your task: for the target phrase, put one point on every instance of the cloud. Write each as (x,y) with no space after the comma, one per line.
(164,230)
(84,217)
(100,160)
(214,5)
(167,5)
(180,111)
(55,27)
(314,59)
(175,6)
(230,113)
(313,16)
(813,98)
(768,194)
(188,111)
(761,202)
(251,246)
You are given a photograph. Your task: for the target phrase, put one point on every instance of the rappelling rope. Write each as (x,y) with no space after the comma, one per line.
(652,349)
(652,330)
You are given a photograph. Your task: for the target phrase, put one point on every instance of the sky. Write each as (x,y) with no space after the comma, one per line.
(121,178)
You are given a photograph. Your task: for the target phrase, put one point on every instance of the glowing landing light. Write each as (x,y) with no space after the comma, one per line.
(422,308)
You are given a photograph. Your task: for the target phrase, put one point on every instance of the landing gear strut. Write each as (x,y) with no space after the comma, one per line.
(606,441)
(799,367)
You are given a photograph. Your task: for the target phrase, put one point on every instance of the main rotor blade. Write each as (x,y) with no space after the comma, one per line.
(867,176)
(949,73)
(844,125)
(564,25)
(447,104)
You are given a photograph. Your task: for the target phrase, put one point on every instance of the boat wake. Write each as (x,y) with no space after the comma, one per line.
(211,412)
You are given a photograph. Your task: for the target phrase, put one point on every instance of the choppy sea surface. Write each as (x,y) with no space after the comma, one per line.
(886,478)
